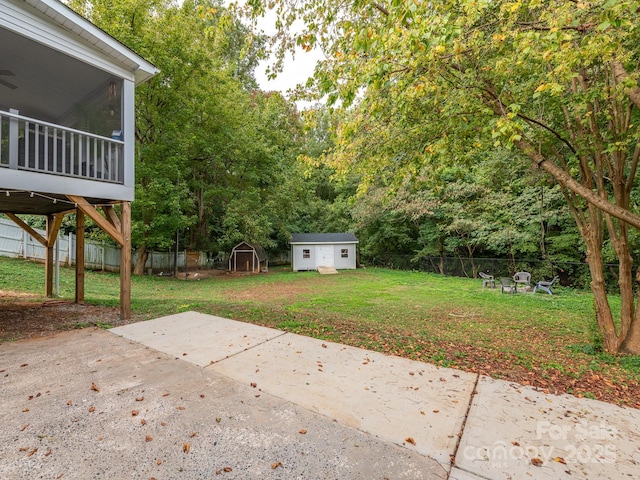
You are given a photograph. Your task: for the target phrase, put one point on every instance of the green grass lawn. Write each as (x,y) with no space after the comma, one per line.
(448,321)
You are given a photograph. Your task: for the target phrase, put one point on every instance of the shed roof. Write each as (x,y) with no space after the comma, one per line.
(323,238)
(246,246)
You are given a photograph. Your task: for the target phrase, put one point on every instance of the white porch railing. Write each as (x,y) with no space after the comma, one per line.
(34,145)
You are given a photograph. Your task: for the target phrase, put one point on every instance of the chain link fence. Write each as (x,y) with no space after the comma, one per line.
(572,274)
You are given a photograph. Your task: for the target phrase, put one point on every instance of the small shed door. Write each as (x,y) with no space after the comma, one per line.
(324,256)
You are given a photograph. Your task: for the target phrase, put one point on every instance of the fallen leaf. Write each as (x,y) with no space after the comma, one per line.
(139,399)
(47,453)
(254,385)
(410,440)
(165,394)
(186,447)
(94,387)
(324,345)
(24,364)
(180,407)
(193,434)
(218,419)
(411,373)
(436,411)
(92,409)
(134,413)
(25,410)
(517,444)
(24,427)
(148,438)
(536,461)
(302,431)
(143,421)
(201,396)
(276,465)
(158,462)
(23,449)
(164,424)
(227,469)
(70,402)
(32,452)
(560,460)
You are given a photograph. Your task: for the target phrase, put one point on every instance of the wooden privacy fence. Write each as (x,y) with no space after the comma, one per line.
(15,242)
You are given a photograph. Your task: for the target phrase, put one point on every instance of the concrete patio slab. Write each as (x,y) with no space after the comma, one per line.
(517,432)
(409,403)
(89,404)
(274,385)
(457,474)
(198,338)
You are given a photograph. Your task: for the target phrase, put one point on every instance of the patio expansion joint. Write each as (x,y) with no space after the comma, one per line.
(474,392)
(246,349)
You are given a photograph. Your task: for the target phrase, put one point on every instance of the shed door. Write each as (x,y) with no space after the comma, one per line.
(324,256)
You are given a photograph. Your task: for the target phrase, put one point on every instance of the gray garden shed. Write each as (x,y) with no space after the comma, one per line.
(248,257)
(312,250)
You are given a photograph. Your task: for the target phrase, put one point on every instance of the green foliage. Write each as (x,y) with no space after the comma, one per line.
(215,158)
(428,86)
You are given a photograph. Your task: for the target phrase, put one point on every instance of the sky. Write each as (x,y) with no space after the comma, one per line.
(296,71)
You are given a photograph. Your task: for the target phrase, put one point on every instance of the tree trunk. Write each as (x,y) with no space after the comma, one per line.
(141,261)
(631,343)
(604,316)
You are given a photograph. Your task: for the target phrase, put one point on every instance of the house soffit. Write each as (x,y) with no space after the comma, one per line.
(43,83)
(54,24)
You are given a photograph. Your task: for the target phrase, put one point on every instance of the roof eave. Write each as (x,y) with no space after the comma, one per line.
(78,25)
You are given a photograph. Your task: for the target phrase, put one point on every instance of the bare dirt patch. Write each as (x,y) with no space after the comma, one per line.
(21,318)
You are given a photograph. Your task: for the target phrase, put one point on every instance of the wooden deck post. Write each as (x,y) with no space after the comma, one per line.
(125,261)
(48,260)
(53,227)
(79,256)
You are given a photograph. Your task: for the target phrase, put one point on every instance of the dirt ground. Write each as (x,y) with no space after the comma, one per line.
(21,318)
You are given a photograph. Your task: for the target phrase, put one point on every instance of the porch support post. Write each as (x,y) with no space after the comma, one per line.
(121,233)
(53,227)
(79,256)
(125,261)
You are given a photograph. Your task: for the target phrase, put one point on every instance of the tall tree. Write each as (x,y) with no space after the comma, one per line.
(554,81)
(213,154)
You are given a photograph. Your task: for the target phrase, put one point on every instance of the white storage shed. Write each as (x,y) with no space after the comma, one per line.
(312,250)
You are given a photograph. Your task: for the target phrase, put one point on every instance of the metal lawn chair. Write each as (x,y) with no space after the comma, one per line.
(545,286)
(487,280)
